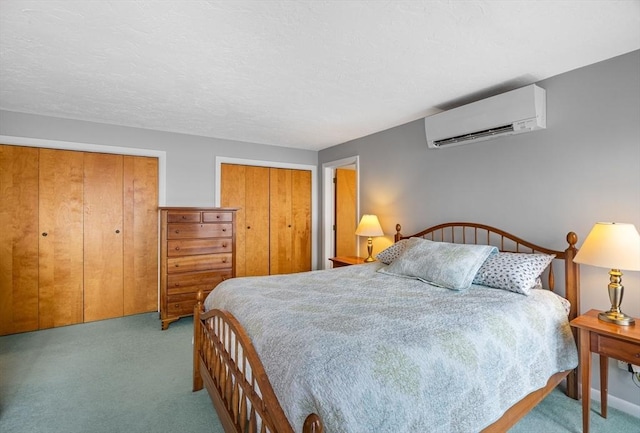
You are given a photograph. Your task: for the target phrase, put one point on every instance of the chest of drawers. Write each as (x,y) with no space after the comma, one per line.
(197,252)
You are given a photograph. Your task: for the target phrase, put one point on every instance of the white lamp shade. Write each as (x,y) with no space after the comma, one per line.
(611,245)
(369,226)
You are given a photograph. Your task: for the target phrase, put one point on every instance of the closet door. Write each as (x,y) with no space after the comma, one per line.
(103,236)
(140,234)
(61,238)
(18,239)
(290,216)
(257,220)
(301,218)
(247,188)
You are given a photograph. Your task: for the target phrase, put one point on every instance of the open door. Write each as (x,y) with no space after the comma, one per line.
(346,216)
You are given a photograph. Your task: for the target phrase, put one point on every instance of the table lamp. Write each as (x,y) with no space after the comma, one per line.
(615,246)
(369,226)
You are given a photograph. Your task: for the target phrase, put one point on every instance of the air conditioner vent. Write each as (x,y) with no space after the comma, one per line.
(460,139)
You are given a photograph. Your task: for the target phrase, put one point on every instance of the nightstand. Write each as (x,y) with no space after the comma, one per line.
(607,340)
(339,262)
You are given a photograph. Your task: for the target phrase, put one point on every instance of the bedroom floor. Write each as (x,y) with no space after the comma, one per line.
(125,375)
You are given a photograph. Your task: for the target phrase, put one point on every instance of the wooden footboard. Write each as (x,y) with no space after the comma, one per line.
(227,365)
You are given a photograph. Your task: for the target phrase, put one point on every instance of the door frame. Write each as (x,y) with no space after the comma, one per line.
(328,202)
(273,164)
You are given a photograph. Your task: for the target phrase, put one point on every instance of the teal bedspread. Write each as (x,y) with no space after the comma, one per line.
(371,352)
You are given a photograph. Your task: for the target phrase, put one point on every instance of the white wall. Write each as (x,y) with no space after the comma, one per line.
(585,167)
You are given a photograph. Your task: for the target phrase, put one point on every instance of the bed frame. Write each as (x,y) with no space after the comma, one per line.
(227,364)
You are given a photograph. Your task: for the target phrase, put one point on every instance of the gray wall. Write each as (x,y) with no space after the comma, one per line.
(585,167)
(190,159)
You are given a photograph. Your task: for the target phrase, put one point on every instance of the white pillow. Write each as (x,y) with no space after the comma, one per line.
(516,272)
(443,264)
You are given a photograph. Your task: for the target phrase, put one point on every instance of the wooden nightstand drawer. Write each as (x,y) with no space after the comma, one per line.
(183,217)
(198,263)
(615,348)
(194,231)
(190,247)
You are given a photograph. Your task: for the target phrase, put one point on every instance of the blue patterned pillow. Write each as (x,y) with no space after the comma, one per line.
(516,272)
(392,252)
(443,264)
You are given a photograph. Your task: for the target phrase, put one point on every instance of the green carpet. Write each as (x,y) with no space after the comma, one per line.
(125,375)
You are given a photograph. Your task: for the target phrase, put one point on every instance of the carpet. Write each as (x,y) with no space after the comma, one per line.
(126,375)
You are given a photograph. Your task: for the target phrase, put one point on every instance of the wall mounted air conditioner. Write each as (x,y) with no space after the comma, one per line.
(514,112)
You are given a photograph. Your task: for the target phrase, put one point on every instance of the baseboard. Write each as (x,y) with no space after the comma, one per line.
(617,403)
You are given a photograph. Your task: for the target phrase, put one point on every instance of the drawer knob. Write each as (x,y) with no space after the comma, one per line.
(117,231)
(177,231)
(45,234)
(176,305)
(248,227)
(177,248)
(224,230)
(224,245)
(177,265)
(218,216)
(177,284)
(184,217)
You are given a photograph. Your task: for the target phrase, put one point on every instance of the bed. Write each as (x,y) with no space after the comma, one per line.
(278,353)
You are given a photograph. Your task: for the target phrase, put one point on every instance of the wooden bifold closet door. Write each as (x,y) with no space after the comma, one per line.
(81,242)
(273,222)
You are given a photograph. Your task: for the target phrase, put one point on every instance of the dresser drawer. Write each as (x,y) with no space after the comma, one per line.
(212,217)
(616,348)
(191,247)
(194,281)
(181,307)
(193,231)
(198,263)
(183,217)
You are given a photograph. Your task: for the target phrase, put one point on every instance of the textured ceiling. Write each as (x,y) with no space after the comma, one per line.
(303,74)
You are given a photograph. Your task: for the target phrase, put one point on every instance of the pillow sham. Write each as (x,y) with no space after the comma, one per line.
(443,264)
(392,252)
(516,272)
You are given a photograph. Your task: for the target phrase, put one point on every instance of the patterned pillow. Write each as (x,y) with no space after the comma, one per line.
(516,272)
(443,264)
(391,253)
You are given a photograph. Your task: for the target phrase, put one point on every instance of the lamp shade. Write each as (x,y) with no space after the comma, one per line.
(369,226)
(611,245)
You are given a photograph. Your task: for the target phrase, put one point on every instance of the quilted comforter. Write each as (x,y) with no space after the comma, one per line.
(373,352)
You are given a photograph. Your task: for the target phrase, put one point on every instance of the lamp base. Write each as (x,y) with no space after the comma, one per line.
(617,317)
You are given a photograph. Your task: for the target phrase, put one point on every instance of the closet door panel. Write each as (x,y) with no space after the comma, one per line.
(103,236)
(247,188)
(140,234)
(232,187)
(301,220)
(281,230)
(257,221)
(61,238)
(18,239)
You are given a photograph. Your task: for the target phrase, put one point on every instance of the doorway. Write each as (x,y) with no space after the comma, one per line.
(341,204)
